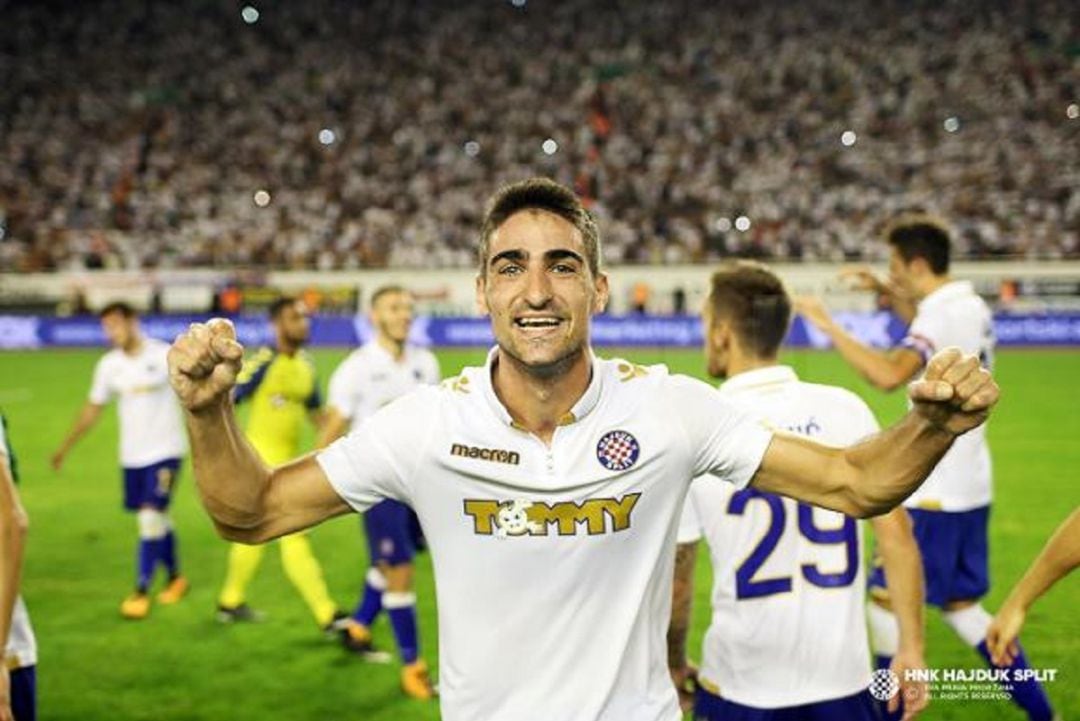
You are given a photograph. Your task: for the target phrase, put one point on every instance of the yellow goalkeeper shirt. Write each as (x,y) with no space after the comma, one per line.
(281,389)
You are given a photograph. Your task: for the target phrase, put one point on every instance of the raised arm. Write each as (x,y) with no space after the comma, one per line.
(872,477)
(904,578)
(248,501)
(885,369)
(87,418)
(1059,556)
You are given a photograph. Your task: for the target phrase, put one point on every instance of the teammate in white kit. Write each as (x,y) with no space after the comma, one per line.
(380,371)
(549,482)
(788,586)
(952,509)
(18,674)
(152,442)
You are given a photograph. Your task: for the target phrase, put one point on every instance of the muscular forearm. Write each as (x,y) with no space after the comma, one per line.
(1060,555)
(231,478)
(887,467)
(681,604)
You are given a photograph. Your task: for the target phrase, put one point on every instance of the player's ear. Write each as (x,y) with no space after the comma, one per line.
(481,294)
(602,293)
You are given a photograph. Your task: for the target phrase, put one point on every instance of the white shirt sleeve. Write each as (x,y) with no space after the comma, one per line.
(690,520)
(725,440)
(379,459)
(340,395)
(433,373)
(100,390)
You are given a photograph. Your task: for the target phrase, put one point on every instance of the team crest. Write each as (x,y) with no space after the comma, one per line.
(617,451)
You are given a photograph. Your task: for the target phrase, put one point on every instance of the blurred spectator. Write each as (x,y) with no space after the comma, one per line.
(332,134)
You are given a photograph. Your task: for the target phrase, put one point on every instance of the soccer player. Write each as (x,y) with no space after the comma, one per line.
(549,481)
(951,510)
(375,374)
(1056,560)
(152,442)
(18,682)
(283,389)
(788,577)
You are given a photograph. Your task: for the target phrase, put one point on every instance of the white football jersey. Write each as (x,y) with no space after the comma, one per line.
(954,315)
(150,425)
(21,648)
(370,377)
(553,564)
(788,602)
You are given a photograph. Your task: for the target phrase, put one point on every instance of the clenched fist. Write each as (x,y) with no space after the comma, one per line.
(203,364)
(956,392)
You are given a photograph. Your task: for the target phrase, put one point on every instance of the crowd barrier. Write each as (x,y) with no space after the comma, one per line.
(880,329)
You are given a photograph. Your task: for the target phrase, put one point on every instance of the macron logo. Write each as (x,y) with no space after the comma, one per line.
(496,455)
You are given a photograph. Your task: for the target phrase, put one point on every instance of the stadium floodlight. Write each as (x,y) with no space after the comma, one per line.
(848,138)
(723,224)
(261,198)
(472,148)
(249,14)
(952,124)
(327,136)
(1073,111)
(742,224)
(518,3)
(550,147)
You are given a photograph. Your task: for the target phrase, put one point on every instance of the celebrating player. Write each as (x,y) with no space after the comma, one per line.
(952,509)
(283,388)
(151,443)
(789,583)
(549,481)
(373,375)
(18,682)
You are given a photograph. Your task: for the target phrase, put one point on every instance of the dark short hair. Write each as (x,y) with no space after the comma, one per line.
(921,236)
(280,304)
(118,306)
(540,194)
(756,303)
(387,290)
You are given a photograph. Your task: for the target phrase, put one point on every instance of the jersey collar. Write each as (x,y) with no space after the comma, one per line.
(758,378)
(582,408)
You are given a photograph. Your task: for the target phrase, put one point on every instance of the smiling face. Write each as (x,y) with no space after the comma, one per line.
(539,291)
(392,315)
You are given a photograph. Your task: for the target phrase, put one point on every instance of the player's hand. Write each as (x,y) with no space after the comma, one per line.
(862,277)
(685,680)
(813,310)
(915,694)
(57,460)
(203,364)
(956,392)
(5,694)
(1002,634)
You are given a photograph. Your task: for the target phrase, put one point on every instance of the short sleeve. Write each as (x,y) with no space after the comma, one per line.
(379,459)
(100,391)
(725,440)
(339,395)
(689,521)
(925,336)
(433,372)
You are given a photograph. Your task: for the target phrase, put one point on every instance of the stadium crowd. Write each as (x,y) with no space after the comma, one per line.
(141,134)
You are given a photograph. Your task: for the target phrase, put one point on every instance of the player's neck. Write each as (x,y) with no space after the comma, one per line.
(134,345)
(932,283)
(391,346)
(741,363)
(284,347)
(538,402)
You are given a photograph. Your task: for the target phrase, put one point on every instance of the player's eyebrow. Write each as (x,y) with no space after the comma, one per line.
(517,255)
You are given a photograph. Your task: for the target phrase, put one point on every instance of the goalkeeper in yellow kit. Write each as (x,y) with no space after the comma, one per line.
(282,388)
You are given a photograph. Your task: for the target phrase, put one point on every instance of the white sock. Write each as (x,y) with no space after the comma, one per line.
(970,623)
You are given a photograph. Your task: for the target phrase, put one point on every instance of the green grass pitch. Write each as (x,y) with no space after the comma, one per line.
(180,665)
